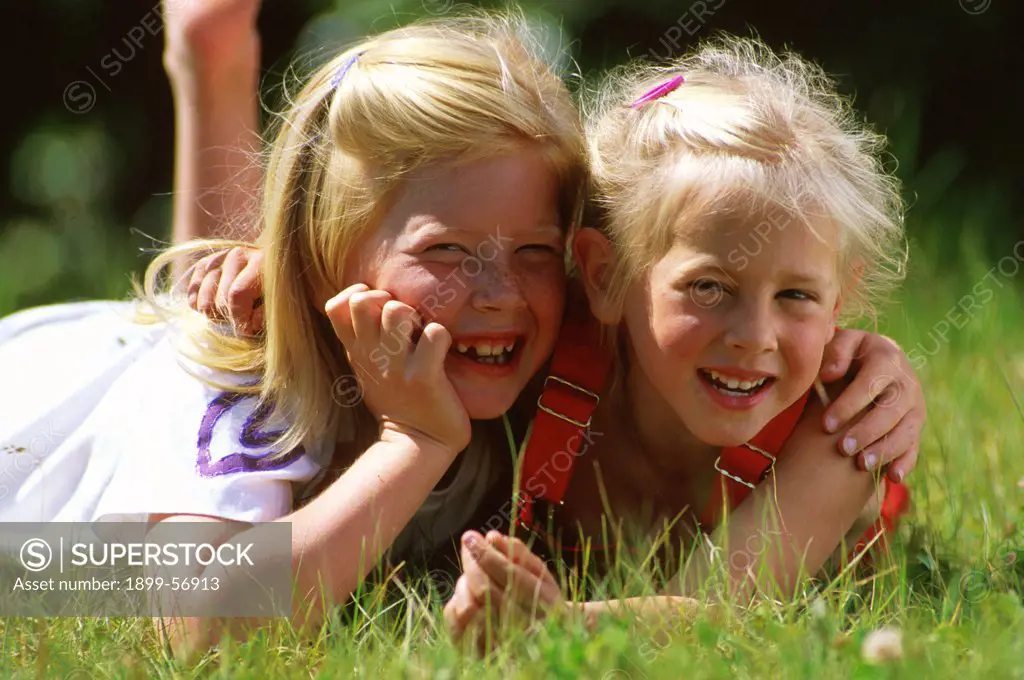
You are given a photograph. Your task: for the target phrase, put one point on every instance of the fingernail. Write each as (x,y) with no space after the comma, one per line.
(472,542)
(850,446)
(899,475)
(869,461)
(831,423)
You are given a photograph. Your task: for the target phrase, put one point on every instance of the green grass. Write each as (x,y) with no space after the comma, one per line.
(951,592)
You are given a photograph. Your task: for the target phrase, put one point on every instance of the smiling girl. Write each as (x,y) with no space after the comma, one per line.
(697,367)
(441,162)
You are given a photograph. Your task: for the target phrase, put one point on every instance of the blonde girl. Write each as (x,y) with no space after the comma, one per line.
(440,162)
(704,375)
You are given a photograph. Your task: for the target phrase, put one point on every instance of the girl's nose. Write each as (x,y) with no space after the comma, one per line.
(752,329)
(496,289)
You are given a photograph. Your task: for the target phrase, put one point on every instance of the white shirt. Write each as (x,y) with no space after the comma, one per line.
(100,419)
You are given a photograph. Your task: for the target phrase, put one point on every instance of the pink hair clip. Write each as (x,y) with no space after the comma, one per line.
(658,92)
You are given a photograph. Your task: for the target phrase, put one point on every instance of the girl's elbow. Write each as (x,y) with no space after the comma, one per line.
(192,636)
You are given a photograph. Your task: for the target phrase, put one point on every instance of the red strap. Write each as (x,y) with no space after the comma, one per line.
(579,368)
(748,464)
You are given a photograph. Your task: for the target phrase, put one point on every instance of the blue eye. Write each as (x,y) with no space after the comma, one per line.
(539,248)
(796,294)
(706,286)
(447,248)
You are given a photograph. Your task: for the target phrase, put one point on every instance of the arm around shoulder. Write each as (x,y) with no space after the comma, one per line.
(792,522)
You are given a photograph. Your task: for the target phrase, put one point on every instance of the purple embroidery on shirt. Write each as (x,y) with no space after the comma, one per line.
(251,437)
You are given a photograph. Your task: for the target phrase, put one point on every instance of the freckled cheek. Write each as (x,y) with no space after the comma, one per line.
(680,335)
(803,346)
(543,288)
(432,291)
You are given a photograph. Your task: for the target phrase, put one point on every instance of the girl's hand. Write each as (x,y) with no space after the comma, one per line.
(229,285)
(499,574)
(885,383)
(403,380)
(205,36)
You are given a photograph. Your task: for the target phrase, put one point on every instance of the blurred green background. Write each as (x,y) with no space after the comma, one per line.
(86,184)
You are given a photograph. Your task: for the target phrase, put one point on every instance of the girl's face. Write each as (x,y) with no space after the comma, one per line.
(478,248)
(729,327)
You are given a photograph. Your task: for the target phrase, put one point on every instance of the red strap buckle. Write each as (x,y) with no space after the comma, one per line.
(582,390)
(740,480)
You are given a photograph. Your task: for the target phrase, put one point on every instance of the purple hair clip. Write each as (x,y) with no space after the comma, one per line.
(658,92)
(344,69)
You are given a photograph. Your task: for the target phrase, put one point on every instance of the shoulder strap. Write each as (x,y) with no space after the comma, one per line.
(744,467)
(572,389)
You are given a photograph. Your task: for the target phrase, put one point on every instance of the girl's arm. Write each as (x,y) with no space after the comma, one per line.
(337,539)
(340,536)
(212,61)
(792,522)
(501,575)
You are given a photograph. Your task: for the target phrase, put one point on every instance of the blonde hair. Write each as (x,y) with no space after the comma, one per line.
(747,132)
(450,90)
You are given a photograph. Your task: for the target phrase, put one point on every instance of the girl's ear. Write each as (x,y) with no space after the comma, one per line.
(595,258)
(835,317)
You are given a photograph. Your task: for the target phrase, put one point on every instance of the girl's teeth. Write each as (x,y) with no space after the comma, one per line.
(488,353)
(733,383)
(725,382)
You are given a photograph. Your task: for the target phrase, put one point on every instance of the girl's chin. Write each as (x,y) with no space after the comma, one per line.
(729,436)
(485,406)
(724,428)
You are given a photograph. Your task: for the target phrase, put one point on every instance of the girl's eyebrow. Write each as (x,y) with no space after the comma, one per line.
(696,263)
(548,231)
(428,228)
(709,264)
(802,279)
(701,265)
